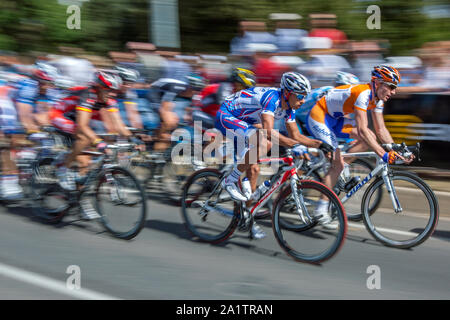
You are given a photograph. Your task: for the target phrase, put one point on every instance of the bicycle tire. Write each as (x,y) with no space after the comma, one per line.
(138,192)
(282,234)
(42,179)
(432,221)
(52,215)
(216,233)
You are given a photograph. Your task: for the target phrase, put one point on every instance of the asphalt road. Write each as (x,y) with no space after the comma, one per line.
(37,261)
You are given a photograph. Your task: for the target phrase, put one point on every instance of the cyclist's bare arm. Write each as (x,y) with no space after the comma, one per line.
(383,133)
(275,135)
(167,113)
(295,134)
(42,117)
(25,113)
(133,114)
(118,124)
(380,128)
(365,133)
(83,119)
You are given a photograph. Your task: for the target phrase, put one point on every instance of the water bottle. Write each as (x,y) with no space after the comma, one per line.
(352,183)
(246,187)
(261,190)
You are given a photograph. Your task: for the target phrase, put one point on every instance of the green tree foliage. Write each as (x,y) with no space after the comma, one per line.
(205,25)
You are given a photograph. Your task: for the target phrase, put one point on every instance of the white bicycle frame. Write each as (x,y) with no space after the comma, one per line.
(382,169)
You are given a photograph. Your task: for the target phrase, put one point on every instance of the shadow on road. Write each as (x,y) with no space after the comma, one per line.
(70,219)
(443,235)
(239,239)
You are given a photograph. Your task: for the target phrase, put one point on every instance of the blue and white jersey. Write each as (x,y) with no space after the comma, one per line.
(301,114)
(9,123)
(27,91)
(248,105)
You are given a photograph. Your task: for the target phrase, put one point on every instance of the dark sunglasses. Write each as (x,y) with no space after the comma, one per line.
(391,85)
(299,96)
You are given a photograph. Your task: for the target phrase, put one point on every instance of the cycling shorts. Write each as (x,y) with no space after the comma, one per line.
(233,128)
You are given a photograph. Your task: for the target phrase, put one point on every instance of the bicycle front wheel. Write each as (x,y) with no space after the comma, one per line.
(310,242)
(415,222)
(120,201)
(208,211)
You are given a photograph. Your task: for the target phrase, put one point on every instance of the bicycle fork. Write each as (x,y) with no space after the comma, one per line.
(391,190)
(299,201)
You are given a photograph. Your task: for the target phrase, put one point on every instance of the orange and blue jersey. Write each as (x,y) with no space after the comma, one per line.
(327,120)
(343,100)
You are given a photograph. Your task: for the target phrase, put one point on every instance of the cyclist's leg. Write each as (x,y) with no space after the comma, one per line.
(323,127)
(169,122)
(239,132)
(10,131)
(9,187)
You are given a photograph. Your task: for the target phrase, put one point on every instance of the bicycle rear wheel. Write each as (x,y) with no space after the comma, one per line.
(309,242)
(417,220)
(43,177)
(121,202)
(52,204)
(361,168)
(208,211)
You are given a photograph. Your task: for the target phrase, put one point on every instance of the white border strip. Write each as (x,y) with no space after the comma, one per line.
(51,284)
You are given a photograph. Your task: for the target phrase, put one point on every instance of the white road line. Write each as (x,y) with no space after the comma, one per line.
(51,284)
(417,190)
(362,226)
(402,233)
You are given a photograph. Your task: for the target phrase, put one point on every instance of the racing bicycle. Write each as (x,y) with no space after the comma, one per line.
(211,215)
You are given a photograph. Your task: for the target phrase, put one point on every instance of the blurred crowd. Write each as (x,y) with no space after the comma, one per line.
(317,53)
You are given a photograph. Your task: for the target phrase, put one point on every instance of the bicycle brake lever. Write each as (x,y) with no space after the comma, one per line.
(418,151)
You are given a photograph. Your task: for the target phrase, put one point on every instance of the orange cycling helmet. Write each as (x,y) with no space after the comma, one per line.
(386,74)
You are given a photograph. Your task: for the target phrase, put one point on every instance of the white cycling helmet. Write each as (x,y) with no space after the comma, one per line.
(296,83)
(128,74)
(343,78)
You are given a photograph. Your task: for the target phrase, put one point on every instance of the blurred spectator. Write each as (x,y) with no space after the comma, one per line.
(253,36)
(436,59)
(267,71)
(174,67)
(410,69)
(214,68)
(287,31)
(324,25)
(364,56)
(150,63)
(321,69)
